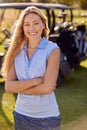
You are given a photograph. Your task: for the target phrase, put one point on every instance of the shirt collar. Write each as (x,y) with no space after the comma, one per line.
(41,45)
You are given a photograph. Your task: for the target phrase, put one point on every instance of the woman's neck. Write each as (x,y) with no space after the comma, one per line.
(33,44)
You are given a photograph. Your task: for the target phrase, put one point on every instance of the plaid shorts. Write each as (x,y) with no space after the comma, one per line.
(22,122)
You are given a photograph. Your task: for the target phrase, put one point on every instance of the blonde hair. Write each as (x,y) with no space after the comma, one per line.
(18,38)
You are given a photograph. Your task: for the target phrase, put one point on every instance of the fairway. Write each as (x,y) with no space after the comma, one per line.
(71,96)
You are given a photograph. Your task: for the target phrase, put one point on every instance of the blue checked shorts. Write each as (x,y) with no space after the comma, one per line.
(22,122)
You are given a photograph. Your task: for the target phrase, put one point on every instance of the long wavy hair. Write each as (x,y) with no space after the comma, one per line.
(18,38)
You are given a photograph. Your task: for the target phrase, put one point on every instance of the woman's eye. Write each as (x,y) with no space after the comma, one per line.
(26,24)
(36,23)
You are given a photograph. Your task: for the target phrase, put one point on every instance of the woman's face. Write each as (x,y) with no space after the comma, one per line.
(33,26)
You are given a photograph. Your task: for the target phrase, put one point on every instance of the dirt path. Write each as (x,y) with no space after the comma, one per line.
(80,124)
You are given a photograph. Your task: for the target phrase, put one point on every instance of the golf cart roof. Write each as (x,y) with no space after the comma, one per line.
(39,5)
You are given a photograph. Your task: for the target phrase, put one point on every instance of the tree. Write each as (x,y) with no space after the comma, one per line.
(83,4)
(67,2)
(8,1)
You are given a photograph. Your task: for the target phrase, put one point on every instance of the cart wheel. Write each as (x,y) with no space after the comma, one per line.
(1,60)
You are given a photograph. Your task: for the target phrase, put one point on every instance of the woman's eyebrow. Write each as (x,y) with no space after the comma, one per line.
(33,21)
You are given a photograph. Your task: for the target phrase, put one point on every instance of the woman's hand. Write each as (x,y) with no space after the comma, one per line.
(12,85)
(38,81)
(48,84)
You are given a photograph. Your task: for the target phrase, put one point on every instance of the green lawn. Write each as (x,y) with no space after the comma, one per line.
(7,102)
(71,96)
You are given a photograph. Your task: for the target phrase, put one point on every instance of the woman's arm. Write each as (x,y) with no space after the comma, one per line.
(50,78)
(12,85)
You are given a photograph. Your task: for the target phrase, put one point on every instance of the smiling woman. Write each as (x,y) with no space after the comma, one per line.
(31,68)
(33,27)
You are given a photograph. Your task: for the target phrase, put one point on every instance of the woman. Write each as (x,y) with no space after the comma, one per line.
(30,69)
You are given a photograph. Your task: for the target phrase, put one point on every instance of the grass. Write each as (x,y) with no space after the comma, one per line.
(71,96)
(6,106)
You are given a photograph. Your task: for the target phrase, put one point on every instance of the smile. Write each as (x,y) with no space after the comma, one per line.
(33,33)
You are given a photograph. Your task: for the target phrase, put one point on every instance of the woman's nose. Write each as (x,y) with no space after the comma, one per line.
(31,27)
